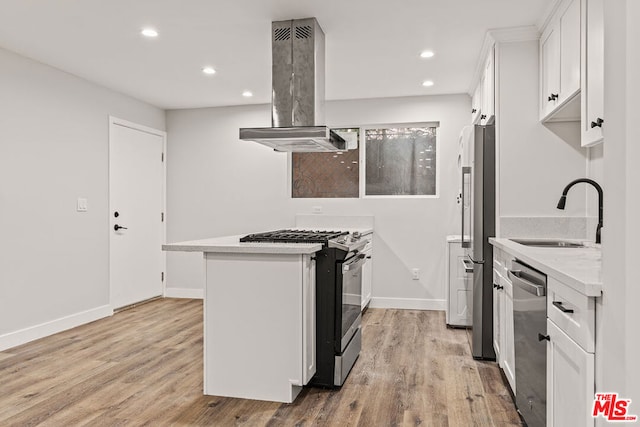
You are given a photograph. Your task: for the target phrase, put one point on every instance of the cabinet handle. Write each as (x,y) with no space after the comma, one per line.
(473,110)
(498,287)
(482,117)
(543,337)
(597,123)
(559,306)
(553,97)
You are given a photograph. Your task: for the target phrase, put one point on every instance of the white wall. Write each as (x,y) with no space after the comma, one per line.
(535,162)
(618,347)
(54,149)
(218,185)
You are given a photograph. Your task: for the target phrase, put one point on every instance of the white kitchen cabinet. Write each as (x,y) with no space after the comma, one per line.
(488,88)
(560,65)
(592,97)
(259,307)
(570,355)
(459,286)
(498,315)
(507,354)
(476,104)
(483,99)
(503,337)
(367,274)
(570,380)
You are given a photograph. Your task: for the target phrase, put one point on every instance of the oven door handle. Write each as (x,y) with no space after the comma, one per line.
(355,263)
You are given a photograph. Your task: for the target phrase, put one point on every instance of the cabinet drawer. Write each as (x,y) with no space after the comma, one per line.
(572,312)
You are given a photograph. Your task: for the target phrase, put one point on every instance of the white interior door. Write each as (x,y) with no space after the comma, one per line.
(136,219)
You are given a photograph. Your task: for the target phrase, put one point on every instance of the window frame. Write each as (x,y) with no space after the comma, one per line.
(363,162)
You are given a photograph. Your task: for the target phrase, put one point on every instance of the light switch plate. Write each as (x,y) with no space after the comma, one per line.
(82,205)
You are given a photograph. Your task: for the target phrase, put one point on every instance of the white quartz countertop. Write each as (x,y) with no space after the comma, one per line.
(232,244)
(578,268)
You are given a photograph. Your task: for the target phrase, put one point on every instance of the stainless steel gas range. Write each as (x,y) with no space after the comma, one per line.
(338,298)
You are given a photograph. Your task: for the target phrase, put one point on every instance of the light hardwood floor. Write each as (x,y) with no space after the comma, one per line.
(144,367)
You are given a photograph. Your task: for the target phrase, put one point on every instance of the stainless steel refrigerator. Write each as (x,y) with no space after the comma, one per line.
(478,224)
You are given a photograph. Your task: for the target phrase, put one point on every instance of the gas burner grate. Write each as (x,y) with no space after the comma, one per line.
(293,236)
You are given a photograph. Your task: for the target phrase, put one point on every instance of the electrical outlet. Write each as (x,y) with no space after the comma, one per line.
(316,209)
(415,274)
(82,205)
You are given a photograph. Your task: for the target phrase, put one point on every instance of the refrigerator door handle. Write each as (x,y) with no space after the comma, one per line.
(466,170)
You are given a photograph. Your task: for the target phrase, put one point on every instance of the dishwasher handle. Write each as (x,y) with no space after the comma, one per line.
(526,285)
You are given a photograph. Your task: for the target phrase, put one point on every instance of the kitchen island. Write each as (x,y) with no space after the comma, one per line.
(259,317)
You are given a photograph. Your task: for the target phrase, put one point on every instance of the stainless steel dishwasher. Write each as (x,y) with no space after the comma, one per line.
(530,334)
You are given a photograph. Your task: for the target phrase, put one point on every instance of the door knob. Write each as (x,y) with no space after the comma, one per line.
(118,227)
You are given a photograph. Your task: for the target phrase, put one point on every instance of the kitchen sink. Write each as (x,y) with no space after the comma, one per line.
(549,243)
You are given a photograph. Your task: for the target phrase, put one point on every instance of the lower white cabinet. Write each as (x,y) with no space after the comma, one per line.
(570,380)
(367,274)
(459,286)
(498,315)
(507,354)
(503,338)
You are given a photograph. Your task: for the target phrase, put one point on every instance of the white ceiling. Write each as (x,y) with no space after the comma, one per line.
(372,46)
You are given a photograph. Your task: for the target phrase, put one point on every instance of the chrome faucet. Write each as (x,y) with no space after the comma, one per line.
(563,201)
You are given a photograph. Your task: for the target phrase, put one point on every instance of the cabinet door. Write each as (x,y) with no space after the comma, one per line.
(570,51)
(308,319)
(488,89)
(508,345)
(549,71)
(497,316)
(593,72)
(475,104)
(460,292)
(570,381)
(367,276)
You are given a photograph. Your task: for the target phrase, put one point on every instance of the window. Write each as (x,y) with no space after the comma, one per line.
(401,160)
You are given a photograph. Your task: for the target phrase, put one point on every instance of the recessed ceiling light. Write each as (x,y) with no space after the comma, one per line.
(247,94)
(209,70)
(149,32)
(427,83)
(426,54)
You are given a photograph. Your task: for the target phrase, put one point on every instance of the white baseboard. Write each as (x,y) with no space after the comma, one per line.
(32,333)
(408,303)
(184,293)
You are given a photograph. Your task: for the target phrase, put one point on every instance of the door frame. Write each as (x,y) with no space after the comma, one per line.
(115,121)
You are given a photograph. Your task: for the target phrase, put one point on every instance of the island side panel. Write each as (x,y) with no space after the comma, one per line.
(253,331)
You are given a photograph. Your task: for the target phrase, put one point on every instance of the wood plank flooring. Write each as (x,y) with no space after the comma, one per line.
(144,367)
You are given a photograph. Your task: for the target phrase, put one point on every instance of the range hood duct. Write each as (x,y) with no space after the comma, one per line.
(297,77)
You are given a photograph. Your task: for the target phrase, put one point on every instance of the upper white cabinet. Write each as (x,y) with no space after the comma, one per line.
(476,101)
(560,65)
(483,100)
(592,103)
(488,89)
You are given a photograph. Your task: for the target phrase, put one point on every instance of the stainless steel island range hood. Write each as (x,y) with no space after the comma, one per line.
(297,78)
